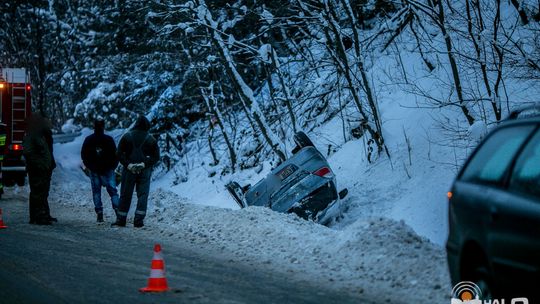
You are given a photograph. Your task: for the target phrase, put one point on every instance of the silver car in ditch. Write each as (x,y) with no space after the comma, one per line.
(304,184)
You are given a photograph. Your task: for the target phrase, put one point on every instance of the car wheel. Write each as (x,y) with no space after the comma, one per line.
(235,190)
(482,280)
(302,140)
(343,193)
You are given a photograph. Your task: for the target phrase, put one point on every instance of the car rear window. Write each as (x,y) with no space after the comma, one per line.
(526,173)
(492,160)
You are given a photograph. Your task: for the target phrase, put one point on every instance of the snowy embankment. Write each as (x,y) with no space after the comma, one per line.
(372,257)
(369,254)
(410,187)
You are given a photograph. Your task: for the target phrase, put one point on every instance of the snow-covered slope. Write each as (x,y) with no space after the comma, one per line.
(401,188)
(410,185)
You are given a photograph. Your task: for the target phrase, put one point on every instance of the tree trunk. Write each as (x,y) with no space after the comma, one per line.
(479,49)
(285,88)
(244,91)
(344,66)
(212,107)
(453,64)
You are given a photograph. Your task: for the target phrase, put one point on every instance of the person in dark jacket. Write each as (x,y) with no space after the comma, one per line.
(98,154)
(138,152)
(40,163)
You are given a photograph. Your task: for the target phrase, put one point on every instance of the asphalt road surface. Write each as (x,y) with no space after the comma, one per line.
(79,261)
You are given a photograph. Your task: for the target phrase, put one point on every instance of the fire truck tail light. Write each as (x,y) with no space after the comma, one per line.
(16,147)
(28,87)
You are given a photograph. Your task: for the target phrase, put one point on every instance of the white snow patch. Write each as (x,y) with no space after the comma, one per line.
(69,127)
(265,53)
(267,16)
(478,130)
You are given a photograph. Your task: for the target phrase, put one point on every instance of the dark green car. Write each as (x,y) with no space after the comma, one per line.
(494,212)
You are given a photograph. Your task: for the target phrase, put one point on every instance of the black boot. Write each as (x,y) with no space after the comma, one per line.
(100,217)
(42,221)
(138,224)
(120,222)
(41,218)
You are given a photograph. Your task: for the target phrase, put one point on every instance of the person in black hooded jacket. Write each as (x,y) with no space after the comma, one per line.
(38,154)
(98,154)
(138,152)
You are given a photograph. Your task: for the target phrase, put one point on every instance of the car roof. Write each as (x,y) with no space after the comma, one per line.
(531,112)
(521,116)
(519,121)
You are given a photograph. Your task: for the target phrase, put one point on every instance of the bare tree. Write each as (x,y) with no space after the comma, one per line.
(481,52)
(338,53)
(213,107)
(441,22)
(244,91)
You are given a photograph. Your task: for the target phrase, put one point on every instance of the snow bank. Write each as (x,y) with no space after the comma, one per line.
(373,256)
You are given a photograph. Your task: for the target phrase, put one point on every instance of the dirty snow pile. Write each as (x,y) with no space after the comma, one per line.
(373,256)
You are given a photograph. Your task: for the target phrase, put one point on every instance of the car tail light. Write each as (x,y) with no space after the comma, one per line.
(323,172)
(16,147)
(449,195)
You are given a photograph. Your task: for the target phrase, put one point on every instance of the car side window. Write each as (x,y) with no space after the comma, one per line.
(526,173)
(492,160)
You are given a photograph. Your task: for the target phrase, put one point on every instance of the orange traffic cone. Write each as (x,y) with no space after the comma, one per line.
(2,225)
(157,281)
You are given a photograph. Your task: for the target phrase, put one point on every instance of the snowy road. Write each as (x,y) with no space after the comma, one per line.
(78,261)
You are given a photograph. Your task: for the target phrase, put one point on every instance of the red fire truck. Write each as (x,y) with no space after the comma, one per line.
(15,107)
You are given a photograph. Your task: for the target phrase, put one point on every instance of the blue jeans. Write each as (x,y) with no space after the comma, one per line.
(108,181)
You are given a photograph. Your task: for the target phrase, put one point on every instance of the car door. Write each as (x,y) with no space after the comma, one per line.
(516,215)
(477,190)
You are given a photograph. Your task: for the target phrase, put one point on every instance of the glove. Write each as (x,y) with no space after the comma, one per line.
(136,168)
(139,167)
